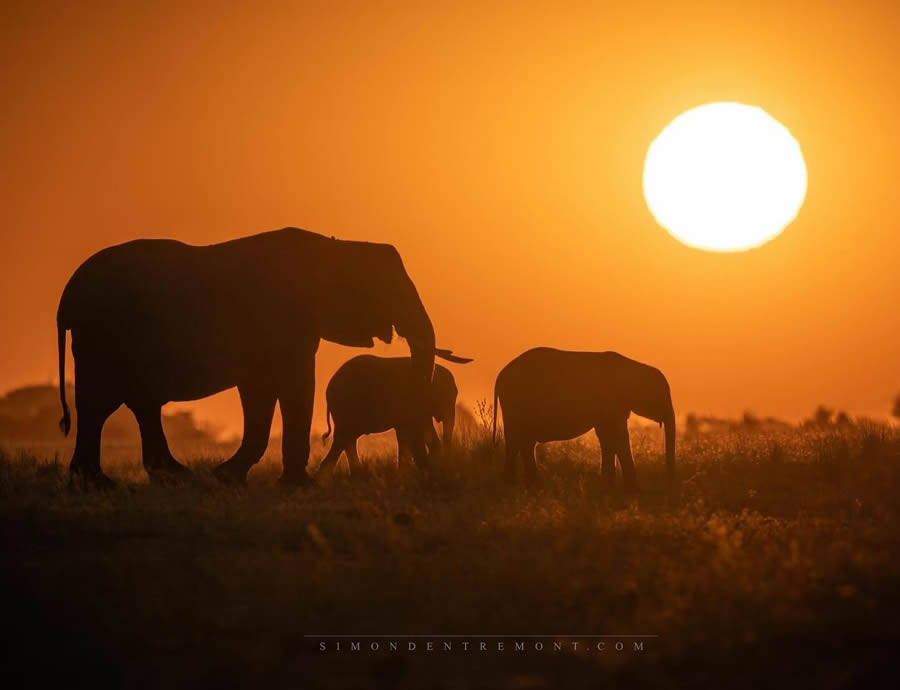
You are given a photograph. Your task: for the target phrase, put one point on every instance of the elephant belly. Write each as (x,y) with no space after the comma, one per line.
(191,386)
(545,420)
(162,320)
(157,374)
(560,432)
(553,427)
(361,419)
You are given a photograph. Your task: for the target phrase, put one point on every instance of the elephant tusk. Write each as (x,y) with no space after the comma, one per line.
(450,357)
(440,352)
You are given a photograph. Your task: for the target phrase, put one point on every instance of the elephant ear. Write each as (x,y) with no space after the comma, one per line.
(450,357)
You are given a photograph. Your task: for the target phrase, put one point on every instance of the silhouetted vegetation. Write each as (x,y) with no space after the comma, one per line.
(781,554)
(695,424)
(824,417)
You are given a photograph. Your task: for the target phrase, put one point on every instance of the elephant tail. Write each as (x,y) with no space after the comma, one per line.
(494,430)
(328,422)
(66,422)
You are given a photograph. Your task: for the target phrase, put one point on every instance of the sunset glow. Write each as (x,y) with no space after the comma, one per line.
(484,145)
(725,177)
(464,344)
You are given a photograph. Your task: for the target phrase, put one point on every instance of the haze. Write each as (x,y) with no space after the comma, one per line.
(499,149)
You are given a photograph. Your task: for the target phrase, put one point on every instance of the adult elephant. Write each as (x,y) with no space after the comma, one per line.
(368,395)
(555,395)
(154,321)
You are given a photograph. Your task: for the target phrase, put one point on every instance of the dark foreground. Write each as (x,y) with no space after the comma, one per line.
(778,567)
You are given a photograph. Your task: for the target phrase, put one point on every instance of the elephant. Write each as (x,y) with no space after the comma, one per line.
(157,320)
(369,394)
(554,395)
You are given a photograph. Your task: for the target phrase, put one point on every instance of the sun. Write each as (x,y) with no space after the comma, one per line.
(724,177)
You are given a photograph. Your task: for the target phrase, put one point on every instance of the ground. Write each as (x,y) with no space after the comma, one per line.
(777,564)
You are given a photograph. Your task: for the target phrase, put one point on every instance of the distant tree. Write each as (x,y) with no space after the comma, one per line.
(842,419)
(896,411)
(31,413)
(775,423)
(750,420)
(691,424)
(822,416)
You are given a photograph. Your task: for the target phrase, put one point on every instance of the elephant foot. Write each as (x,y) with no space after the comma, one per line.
(673,496)
(608,482)
(531,476)
(323,471)
(424,465)
(90,480)
(361,474)
(169,474)
(292,479)
(230,474)
(532,484)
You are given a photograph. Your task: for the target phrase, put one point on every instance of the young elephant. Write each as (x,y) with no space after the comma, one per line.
(369,394)
(555,395)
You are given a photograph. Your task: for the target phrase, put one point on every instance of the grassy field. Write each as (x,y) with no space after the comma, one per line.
(778,565)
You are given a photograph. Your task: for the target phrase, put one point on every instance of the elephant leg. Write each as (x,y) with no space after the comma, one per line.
(529,465)
(432,439)
(417,443)
(258,406)
(607,457)
(608,464)
(353,458)
(420,452)
(93,408)
(296,399)
(626,461)
(155,453)
(404,447)
(343,442)
(512,451)
(338,442)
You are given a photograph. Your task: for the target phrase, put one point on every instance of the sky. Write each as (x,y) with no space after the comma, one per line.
(499,147)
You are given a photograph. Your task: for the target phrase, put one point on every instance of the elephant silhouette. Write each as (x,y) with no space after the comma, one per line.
(554,395)
(368,395)
(155,321)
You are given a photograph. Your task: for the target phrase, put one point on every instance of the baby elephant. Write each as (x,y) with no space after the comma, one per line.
(369,394)
(555,395)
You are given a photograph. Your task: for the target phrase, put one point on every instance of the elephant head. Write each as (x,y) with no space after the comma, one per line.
(368,294)
(651,398)
(361,292)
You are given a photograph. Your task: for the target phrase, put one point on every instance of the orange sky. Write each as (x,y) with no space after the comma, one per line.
(500,149)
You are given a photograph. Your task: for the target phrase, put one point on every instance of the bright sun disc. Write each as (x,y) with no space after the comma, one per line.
(724,177)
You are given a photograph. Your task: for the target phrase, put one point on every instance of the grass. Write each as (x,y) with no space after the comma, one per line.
(778,564)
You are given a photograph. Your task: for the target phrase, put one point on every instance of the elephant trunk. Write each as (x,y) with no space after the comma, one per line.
(412,322)
(421,354)
(669,423)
